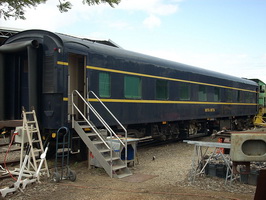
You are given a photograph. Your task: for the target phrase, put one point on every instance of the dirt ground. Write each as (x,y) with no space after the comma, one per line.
(165,177)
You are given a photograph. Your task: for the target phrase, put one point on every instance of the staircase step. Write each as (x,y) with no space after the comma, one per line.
(117,167)
(81,121)
(124,175)
(104,150)
(91,134)
(85,126)
(114,158)
(97,142)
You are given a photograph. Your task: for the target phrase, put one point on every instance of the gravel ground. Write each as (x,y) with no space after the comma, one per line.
(169,179)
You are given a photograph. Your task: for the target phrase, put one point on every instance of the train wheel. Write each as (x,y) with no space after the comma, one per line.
(193,129)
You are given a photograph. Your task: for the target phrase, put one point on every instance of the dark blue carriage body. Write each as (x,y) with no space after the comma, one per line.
(187,92)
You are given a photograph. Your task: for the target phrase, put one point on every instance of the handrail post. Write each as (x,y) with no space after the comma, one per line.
(111,155)
(126,148)
(72,109)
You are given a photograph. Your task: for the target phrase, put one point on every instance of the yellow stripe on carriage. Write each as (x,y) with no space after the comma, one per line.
(170,102)
(62,63)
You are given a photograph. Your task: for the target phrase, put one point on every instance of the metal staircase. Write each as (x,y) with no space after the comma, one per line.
(100,146)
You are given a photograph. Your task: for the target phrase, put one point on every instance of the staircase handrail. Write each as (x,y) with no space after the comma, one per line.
(124,129)
(74,105)
(107,125)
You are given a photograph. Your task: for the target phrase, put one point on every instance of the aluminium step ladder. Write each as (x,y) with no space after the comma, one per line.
(31,128)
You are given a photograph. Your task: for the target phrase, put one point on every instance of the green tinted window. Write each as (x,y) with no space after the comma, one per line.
(202,94)
(132,87)
(184,91)
(104,84)
(161,89)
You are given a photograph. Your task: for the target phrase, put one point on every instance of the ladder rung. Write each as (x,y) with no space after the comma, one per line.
(31,122)
(29,112)
(35,141)
(37,150)
(33,130)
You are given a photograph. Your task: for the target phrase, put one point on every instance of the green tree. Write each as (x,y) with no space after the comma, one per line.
(16,8)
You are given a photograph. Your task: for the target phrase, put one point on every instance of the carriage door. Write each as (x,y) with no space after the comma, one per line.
(77,81)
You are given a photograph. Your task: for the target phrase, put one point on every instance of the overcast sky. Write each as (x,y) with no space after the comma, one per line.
(227,36)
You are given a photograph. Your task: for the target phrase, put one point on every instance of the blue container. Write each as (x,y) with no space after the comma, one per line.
(130,153)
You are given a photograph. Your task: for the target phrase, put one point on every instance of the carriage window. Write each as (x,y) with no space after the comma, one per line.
(202,94)
(239,99)
(217,94)
(161,89)
(132,87)
(104,84)
(184,91)
(229,95)
(241,96)
(249,97)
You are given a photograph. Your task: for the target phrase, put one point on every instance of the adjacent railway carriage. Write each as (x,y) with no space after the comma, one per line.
(151,96)
(261,93)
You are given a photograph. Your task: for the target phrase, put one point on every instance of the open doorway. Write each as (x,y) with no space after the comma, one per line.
(77,81)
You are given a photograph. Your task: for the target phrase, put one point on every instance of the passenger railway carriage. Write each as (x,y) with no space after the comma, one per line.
(150,96)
